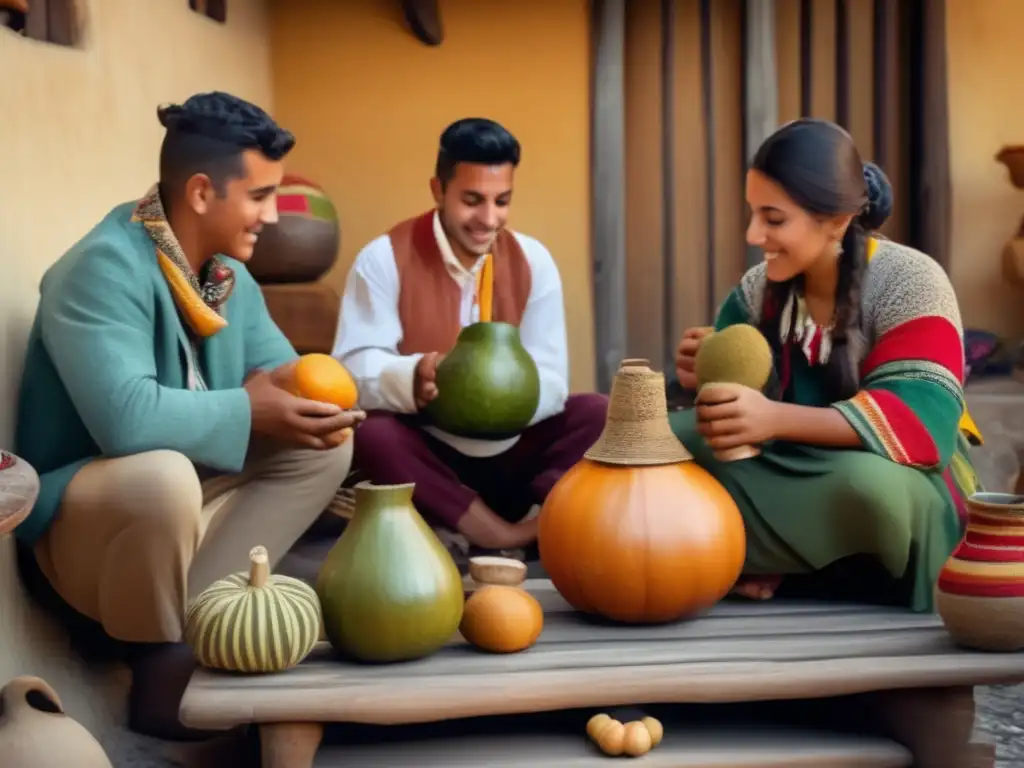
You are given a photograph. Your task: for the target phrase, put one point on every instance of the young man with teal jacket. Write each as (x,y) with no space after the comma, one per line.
(150,403)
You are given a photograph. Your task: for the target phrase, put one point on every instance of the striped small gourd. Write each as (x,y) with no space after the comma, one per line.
(254,622)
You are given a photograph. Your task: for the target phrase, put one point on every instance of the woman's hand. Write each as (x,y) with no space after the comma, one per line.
(686,355)
(730,415)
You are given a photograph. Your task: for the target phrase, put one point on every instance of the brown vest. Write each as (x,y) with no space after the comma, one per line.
(429,300)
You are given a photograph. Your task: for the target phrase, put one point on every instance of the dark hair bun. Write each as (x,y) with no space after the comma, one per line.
(879,206)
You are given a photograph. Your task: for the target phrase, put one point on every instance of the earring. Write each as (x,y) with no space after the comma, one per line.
(838,248)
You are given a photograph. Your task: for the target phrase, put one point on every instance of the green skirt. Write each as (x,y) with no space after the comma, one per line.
(808,508)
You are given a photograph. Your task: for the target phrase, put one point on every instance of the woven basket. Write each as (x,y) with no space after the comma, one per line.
(637,432)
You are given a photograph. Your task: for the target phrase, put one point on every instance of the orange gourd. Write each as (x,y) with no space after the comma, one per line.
(320,377)
(500,616)
(636,531)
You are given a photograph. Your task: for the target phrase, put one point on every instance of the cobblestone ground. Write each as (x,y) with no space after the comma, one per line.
(1000,721)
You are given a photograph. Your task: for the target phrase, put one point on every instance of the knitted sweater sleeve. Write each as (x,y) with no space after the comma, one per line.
(911,398)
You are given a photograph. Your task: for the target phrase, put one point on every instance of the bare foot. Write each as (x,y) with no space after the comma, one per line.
(757,587)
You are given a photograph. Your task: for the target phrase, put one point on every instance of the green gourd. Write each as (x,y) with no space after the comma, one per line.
(488,385)
(389,589)
(255,621)
(738,354)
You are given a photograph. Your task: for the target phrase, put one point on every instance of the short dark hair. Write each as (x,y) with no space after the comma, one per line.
(474,140)
(208,133)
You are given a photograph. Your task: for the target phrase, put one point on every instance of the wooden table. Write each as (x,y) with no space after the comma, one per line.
(900,667)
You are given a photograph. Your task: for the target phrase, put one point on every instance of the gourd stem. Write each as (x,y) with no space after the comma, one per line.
(259,570)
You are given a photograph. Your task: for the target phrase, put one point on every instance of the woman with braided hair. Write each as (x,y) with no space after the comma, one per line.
(859,490)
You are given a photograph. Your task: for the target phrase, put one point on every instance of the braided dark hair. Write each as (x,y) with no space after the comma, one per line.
(817,164)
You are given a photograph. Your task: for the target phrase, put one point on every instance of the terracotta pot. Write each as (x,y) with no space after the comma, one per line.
(980,590)
(35,731)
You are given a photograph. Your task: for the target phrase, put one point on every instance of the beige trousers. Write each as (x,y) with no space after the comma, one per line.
(137,537)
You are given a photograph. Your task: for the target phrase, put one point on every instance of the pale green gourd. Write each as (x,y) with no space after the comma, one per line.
(254,622)
(389,589)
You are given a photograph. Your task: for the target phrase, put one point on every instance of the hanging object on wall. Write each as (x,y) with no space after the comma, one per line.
(424,17)
(214,9)
(1013,252)
(13,14)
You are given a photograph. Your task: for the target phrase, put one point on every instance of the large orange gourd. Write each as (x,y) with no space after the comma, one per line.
(636,531)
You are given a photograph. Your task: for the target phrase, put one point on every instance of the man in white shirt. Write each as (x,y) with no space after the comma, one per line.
(408,294)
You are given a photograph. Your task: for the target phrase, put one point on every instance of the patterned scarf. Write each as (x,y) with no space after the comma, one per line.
(199,298)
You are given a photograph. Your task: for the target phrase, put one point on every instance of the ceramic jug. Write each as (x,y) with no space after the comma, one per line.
(35,731)
(980,590)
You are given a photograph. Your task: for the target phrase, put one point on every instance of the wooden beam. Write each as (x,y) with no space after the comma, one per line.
(669,332)
(885,36)
(806,56)
(760,83)
(843,63)
(608,185)
(708,108)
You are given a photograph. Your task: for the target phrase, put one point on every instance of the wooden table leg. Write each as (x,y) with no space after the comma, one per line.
(935,724)
(289,745)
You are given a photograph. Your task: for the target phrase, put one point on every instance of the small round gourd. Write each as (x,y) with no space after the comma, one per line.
(500,616)
(254,622)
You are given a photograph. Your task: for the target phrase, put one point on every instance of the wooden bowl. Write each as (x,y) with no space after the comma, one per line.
(503,571)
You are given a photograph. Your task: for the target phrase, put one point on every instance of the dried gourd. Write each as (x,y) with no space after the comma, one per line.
(254,622)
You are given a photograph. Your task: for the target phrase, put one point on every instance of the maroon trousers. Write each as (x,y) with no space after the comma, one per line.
(392,449)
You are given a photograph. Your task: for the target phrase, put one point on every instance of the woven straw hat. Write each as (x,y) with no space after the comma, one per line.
(637,431)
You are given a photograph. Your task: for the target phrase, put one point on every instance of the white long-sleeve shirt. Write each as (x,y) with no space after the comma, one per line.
(370,330)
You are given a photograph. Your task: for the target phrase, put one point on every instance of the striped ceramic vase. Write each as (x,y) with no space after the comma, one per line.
(980,590)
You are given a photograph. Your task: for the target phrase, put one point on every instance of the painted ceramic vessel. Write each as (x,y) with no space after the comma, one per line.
(19,488)
(980,590)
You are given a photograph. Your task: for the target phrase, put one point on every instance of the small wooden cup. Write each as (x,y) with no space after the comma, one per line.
(739,452)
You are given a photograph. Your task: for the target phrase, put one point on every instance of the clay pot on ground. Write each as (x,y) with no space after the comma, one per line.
(488,385)
(35,731)
(980,590)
